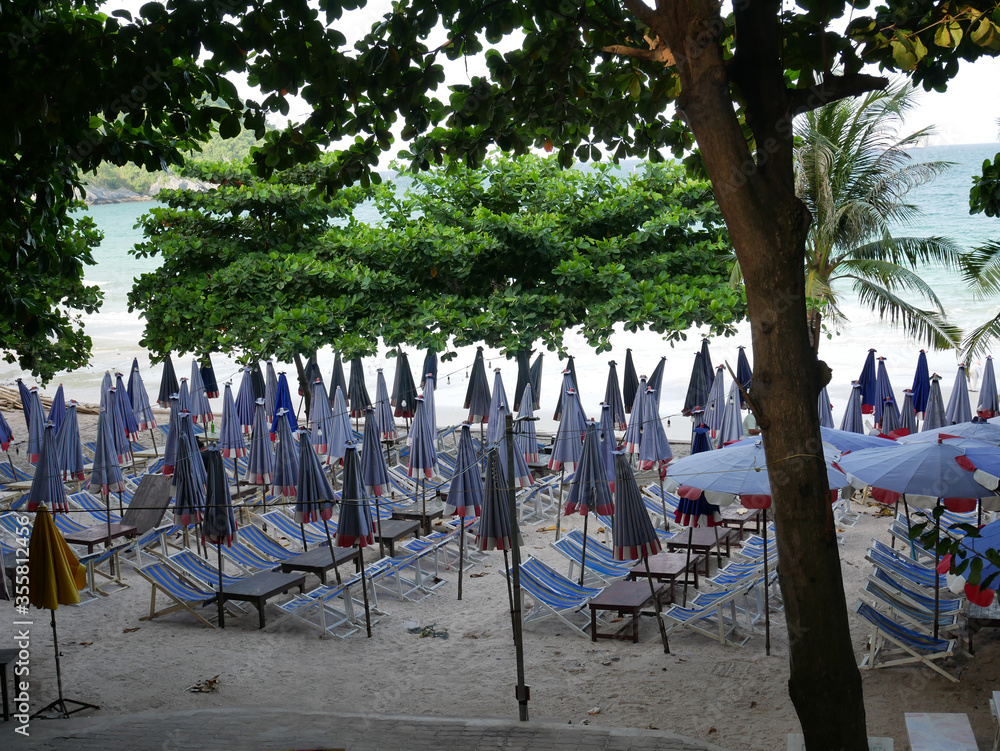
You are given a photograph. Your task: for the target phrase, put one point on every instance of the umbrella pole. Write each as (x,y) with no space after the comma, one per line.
(364,591)
(378,522)
(152,437)
(423,501)
(461,553)
(687,565)
(718,549)
(937,576)
(767,606)
(583,554)
(107,503)
(302,528)
(656,604)
(121,509)
(523,691)
(60,703)
(510,591)
(333,553)
(562,479)
(663,501)
(913,548)
(222,609)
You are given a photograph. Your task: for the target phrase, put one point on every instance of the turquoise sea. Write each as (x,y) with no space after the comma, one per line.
(944,204)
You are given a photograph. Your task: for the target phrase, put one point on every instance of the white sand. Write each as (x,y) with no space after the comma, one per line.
(735,697)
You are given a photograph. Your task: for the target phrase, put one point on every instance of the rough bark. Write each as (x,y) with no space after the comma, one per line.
(768,227)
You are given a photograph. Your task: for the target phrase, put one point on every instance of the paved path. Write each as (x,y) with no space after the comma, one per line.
(269,729)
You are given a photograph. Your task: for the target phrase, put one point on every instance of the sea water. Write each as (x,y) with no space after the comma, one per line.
(116,331)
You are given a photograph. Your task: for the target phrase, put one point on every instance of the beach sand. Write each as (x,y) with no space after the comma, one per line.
(735,697)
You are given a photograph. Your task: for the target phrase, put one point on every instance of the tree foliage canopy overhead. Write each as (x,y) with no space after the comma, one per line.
(511,255)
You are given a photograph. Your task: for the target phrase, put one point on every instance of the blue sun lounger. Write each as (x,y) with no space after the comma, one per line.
(891,643)
(184,595)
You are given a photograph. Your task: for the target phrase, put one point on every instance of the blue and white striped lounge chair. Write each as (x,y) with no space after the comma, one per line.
(598,571)
(549,599)
(198,569)
(264,544)
(317,609)
(891,643)
(247,559)
(287,526)
(908,571)
(184,595)
(112,576)
(709,617)
(904,609)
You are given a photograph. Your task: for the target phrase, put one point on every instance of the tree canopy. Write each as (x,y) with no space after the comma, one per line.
(511,255)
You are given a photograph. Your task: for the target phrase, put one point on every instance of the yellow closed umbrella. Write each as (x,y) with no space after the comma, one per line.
(55,577)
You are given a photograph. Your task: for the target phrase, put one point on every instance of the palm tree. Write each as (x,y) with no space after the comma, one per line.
(853,173)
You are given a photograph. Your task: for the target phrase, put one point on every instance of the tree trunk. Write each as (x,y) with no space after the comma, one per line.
(768,227)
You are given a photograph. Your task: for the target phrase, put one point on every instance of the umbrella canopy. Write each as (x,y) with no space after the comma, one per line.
(314,494)
(496,527)
(283,401)
(183,396)
(907,413)
(654,450)
(430,368)
(36,426)
(844,441)
(231,440)
(853,421)
(632,532)
(106,475)
(498,409)
(57,410)
(341,433)
(868,381)
(173,431)
(404,390)
(716,402)
(825,409)
(535,377)
(144,417)
(311,372)
(201,409)
(984,462)
(731,429)
(46,484)
(522,473)
(6,434)
(477,393)
(744,375)
(523,375)
(609,444)
(55,576)
(656,378)
(988,404)
(374,470)
(383,406)
(568,445)
(430,410)
(357,394)
(320,418)
(921,387)
(245,400)
(525,436)
(208,377)
(355,525)
(697,391)
(116,419)
(337,379)
(959,409)
(260,461)
(271,391)
(883,391)
(219,525)
(569,381)
(286,458)
(259,385)
(633,432)
(465,492)
(187,428)
(590,490)
(125,407)
(890,418)
(423,446)
(934,414)
(613,398)
(25,395)
(68,446)
(979,431)
(630,382)
(168,384)
(187,490)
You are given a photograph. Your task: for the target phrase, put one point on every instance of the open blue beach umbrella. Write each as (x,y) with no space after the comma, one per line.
(374,470)
(535,376)
(57,410)
(697,391)
(654,449)
(246,400)
(630,382)
(357,391)
(320,418)
(979,431)
(208,377)
(144,417)
(568,443)
(609,444)
(173,432)
(283,401)
(716,403)
(959,408)
(921,385)
(341,433)
(988,404)
(731,429)
(569,382)
(184,396)
(423,446)
(201,409)
(271,391)
(633,432)
(853,421)
(907,414)
(286,456)
(523,375)
(613,398)
(890,417)
(844,441)
(430,368)
(430,408)
(498,409)
(744,374)
(219,525)
(260,460)
(477,392)
(525,435)
(68,445)
(984,463)
(231,441)
(337,379)
(883,391)
(47,484)
(355,526)
(497,529)
(168,384)
(25,395)
(126,409)
(314,494)
(186,488)
(404,390)
(868,381)
(384,414)
(699,439)
(106,475)
(825,409)
(656,379)
(36,426)
(935,415)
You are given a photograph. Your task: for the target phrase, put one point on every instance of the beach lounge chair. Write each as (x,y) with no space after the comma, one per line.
(198,569)
(282,522)
(402,576)
(184,595)
(891,643)
(264,544)
(905,609)
(715,615)
(247,559)
(598,571)
(907,571)
(317,609)
(551,595)
(111,579)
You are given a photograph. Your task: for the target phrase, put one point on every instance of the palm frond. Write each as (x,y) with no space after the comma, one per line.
(927,326)
(912,251)
(980,268)
(980,338)
(889,276)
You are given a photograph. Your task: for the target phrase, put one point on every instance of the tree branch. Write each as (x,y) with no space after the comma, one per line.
(832,89)
(658,52)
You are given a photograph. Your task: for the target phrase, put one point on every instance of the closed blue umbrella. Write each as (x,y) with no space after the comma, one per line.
(525,436)
(187,488)
(522,473)
(25,395)
(430,408)
(697,390)
(959,409)
(731,429)
(890,418)
(173,433)
(423,451)
(568,445)
(384,415)
(935,415)
(404,390)
(311,372)
(430,368)
(286,457)
(374,469)
(125,406)
(68,446)
(57,410)
(201,409)
(907,414)
(477,393)
(36,425)
(106,475)
(655,379)
(246,400)
(716,403)
(699,439)
(184,396)
(654,451)
(465,491)
(187,428)
(341,433)
(46,484)
(208,377)
(744,375)
(320,419)
(355,525)
(590,490)
(632,533)
(706,362)
(337,379)
(232,444)
(853,421)
(168,384)
(633,433)
(921,385)
(357,392)
(219,525)
(609,444)
(283,401)
(106,383)
(116,420)
(825,409)
(259,385)
(497,529)
(868,381)
(569,382)
(883,391)
(630,382)
(144,417)
(314,494)
(523,376)
(260,460)
(498,408)
(271,391)
(988,404)
(613,398)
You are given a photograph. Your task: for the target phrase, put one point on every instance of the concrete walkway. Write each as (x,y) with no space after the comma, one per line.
(269,729)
